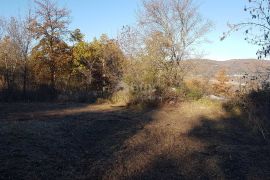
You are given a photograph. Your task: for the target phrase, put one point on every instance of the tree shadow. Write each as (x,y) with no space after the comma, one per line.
(38,106)
(224,146)
(230,150)
(88,142)
(241,152)
(69,145)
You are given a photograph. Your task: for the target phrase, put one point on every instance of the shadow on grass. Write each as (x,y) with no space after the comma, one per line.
(81,142)
(230,150)
(24,108)
(241,152)
(70,145)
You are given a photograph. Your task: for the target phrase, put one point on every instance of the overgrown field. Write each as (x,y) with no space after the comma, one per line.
(79,141)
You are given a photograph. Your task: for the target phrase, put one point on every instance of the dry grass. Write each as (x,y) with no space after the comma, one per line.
(166,137)
(79,141)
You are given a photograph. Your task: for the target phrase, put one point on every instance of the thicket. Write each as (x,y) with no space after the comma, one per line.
(42,59)
(158,49)
(251,103)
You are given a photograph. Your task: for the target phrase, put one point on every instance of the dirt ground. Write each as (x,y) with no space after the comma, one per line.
(194,140)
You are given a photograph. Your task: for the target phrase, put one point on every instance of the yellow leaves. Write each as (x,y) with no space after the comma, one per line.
(81,51)
(102,59)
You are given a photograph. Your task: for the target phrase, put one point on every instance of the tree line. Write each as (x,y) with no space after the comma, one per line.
(40,57)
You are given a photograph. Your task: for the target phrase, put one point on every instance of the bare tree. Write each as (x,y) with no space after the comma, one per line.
(173,31)
(178,22)
(9,55)
(257,28)
(2,25)
(131,41)
(19,32)
(9,61)
(167,35)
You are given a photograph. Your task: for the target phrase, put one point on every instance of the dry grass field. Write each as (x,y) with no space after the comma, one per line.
(195,140)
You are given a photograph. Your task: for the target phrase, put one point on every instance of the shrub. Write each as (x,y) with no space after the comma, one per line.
(122,96)
(254,107)
(196,88)
(194,95)
(221,87)
(257,105)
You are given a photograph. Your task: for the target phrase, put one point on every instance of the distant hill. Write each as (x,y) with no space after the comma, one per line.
(209,68)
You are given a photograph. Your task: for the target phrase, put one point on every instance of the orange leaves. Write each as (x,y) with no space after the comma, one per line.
(221,86)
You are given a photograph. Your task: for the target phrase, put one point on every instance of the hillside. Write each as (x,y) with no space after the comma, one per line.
(208,68)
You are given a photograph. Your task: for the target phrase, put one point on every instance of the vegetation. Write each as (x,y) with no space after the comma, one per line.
(170,32)
(253,99)
(131,107)
(38,63)
(221,87)
(48,67)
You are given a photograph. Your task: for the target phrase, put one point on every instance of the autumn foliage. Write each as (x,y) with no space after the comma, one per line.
(42,59)
(222,86)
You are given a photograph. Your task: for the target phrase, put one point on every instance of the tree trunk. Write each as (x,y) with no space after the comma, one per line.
(53,80)
(24,80)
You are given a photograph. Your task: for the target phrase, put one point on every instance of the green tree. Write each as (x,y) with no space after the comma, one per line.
(99,62)
(113,62)
(76,36)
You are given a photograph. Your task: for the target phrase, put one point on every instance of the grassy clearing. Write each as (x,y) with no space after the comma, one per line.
(196,139)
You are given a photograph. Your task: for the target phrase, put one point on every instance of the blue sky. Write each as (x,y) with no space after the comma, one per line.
(95,17)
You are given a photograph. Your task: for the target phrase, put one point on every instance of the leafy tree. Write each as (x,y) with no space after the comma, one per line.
(82,65)
(99,62)
(58,66)
(50,27)
(113,62)
(221,87)
(52,62)
(76,36)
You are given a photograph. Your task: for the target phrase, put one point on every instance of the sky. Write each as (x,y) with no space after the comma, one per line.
(96,17)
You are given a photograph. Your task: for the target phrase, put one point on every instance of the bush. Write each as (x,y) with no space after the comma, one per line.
(158,95)
(194,94)
(255,107)
(222,86)
(196,88)
(122,97)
